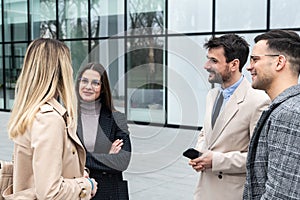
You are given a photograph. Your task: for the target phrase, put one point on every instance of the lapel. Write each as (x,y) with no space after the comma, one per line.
(63,112)
(256,133)
(71,132)
(264,117)
(104,128)
(228,112)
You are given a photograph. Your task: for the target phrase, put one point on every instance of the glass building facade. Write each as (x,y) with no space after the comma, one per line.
(152,49)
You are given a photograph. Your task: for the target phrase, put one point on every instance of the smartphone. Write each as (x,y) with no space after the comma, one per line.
(192,153)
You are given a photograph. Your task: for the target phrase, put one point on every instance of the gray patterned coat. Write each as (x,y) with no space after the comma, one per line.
(273,162)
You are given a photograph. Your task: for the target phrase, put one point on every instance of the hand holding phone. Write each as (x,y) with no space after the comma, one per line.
(192,153)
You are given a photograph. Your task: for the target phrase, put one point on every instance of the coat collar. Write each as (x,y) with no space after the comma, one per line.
(57,106)
(286,94)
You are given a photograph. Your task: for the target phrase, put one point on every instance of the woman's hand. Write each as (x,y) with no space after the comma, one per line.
(95,185)
(116,146)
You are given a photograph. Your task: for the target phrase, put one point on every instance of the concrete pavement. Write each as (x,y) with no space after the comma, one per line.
(157,169)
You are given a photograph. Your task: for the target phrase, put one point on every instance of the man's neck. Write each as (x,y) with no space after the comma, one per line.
(279,85)
(233,80)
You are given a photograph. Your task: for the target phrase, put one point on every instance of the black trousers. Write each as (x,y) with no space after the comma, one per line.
(110,186)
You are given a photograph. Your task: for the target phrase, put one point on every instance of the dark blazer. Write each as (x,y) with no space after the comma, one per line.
(107,168)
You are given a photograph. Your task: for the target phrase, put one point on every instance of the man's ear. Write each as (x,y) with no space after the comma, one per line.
(281,62)
(235,64)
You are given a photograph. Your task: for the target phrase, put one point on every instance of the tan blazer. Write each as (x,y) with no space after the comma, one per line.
(229,142)
(49,160)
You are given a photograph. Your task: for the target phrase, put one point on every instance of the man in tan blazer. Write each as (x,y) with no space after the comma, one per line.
(224,141)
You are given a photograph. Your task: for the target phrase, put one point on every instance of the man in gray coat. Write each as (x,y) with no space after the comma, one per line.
(273,162)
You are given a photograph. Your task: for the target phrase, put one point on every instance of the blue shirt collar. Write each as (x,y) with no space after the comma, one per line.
(227,92)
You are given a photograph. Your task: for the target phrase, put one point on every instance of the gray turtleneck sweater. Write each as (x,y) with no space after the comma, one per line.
(90,112)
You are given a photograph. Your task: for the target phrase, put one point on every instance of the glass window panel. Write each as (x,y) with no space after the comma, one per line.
(79,52)
(110,53)
(117,81)
(187,80)
(0,21)
(43,14)
(15,20)
(107,17)
(250,39)
(14,58)
(145,79)
(240,15)
(146,17)
(73,19)
(193,15)
(1,79)
(285,14)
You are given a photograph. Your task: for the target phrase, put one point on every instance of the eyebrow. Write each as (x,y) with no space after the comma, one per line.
(208,57)
(90,79)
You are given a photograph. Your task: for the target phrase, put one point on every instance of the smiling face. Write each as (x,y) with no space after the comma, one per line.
(90,85)
(261,64)
(218,68)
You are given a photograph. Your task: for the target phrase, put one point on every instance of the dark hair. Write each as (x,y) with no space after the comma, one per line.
(283,42)
(235,47)
(106,97)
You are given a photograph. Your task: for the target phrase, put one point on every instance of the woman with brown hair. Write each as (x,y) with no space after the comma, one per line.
(103,131)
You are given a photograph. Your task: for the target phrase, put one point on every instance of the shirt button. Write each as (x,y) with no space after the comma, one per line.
(220,176)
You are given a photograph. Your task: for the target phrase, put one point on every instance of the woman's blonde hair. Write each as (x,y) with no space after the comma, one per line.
(47,73)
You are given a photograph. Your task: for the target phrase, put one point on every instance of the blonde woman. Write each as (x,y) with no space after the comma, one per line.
(49,158)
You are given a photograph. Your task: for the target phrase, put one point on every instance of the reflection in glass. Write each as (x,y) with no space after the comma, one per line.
(187,80)
(146,17)
(1,22)
(14,58)
(284,14)
(145,61)
(116,79)
(247,15)
(111,55)
(73,19)
(1,81)
(43,18)
(194,16)
(145,79)
(79,51)
(107,18)
(15,20)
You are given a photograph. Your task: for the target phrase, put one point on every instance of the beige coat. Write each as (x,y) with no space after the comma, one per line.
(229,142)
(49,160)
